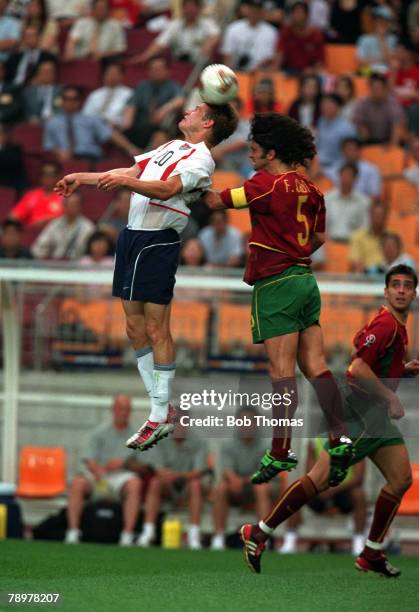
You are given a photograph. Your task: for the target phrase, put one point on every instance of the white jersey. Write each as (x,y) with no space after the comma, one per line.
(195,166)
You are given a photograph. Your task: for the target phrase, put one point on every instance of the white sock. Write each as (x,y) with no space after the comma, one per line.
(265,528)
(145,366)
(163,374)
(148,530)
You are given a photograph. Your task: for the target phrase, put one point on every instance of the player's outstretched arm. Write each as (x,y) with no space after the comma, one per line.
(368,381)
(213,200)
(412,367)
(161,190)
(69,183)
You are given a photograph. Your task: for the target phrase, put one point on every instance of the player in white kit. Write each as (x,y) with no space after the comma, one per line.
(164,182)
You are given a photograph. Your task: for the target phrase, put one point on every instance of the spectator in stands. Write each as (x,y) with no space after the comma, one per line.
(151,105)
(306,108)
(365,246)
(368,180)
(116,217)
(12,169)
(21,65)
(379,117)
(222,243)
(71,134)
(104,470)
(375,50)
(263,99)
(37,15)
(40,205)
(232,153)
(96,37)
(11,241)
(192,253)
(109,101)
(189,38)
(344,87)
(412,173)
(249,43)
(347,209)
(347,498)
(239,459)
(65,237)
(10,30)
(345,21)
(99,251)
(394,254)
(301,47)
(67,11)
(10,99)
(42,98)
(405,74)
(332,130)
(179,464)
(413,22)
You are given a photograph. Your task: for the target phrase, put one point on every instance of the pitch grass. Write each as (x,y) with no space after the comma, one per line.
(107,578)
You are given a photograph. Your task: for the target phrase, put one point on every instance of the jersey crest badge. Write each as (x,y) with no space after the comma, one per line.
(184,147)
(370,339)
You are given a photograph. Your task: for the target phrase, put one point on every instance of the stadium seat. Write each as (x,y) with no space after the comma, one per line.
(324,183)
(75,165)
(110,163)
(42,472)
(336,257)
(245,90)
(28,136)
(138,39)
(286,87)
(226,180)
(189,323)
(95,202)
(134,75)
(33,163)
(339,323)
(94,315)
(240,219)
(410,501)
(402,195)
(361,87)
(7,201)
(341,59)
(81,73)
(181,71)
(390,160)
(234,326)
(406,227)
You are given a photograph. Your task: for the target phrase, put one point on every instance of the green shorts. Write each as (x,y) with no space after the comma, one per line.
(285,303)
(369,427)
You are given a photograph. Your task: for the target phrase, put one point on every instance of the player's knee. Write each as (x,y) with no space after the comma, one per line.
(133,486)
(79,485)
(280,370)
(155,331)
(402,483)
(221,490)
(133,333)
(194,487)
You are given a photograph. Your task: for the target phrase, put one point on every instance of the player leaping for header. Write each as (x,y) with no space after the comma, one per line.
(373,376)
(288,223)
(171,178)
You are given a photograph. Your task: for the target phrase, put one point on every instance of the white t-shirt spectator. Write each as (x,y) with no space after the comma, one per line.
(345,214)
(218,250)
(242,42)
(108,103)
(111,36)
(187,40)
(70,9)
(60,239)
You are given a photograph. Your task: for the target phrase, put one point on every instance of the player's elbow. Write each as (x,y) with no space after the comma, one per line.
(357,368)
(167,190)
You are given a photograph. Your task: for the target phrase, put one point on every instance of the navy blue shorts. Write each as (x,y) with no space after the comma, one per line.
(145,265)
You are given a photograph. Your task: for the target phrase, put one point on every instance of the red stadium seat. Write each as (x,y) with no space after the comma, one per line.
(81,73)
(114,162)
(134,75)
(33,165)
(138,40)
(181,71)
(95,202)
(28,136)
(7,201)
(75,165)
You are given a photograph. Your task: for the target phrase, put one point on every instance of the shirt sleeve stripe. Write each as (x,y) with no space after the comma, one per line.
(238,197)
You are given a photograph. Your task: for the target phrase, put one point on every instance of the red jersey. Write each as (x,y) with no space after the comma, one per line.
(37,206)
(407,83)
(301,50)
(382,344)
(285,211)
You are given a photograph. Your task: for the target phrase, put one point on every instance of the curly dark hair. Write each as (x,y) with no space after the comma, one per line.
(293,144)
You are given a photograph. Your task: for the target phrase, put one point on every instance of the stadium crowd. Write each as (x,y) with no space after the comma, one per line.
(90,84)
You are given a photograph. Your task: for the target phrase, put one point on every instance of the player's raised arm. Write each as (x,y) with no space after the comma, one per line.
(161,190)
(69,183)
(365,377)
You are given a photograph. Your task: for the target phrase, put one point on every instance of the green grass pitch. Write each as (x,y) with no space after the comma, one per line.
(107,578)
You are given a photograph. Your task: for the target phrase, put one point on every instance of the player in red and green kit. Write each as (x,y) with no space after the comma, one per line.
(288,223)
(376,367)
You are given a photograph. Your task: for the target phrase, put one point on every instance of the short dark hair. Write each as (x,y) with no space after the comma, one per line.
(349,166)
(351,140)
(99,235)
(402,269)
(225,121)
(52,164)
(68,88)
(334,97)
(300,4)
(293,143)
(393,236)
(17,225)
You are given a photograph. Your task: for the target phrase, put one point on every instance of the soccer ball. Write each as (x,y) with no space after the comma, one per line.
(218,84)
